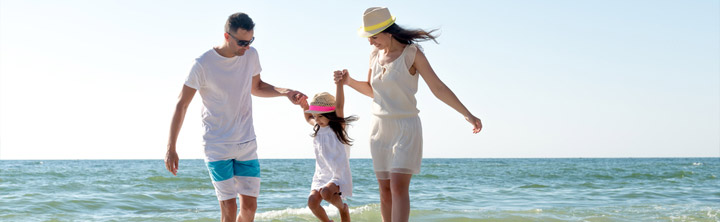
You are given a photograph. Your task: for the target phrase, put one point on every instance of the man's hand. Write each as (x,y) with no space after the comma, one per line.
(295,96)
(171,161)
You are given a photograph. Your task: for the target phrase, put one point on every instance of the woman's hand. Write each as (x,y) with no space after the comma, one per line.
(341,77)
(477,124)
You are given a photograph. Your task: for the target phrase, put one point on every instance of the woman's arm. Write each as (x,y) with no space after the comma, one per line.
(361,87)
(442,92)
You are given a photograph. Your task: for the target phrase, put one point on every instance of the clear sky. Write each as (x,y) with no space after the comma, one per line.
(556,78)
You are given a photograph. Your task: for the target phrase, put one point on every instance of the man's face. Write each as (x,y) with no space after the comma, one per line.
(242,36)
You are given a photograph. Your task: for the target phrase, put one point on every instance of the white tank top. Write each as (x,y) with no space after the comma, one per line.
(393,86)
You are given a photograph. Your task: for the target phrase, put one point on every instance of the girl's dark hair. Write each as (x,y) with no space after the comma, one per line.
(408,36)
(336,124)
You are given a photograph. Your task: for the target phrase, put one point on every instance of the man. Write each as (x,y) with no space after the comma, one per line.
(225,76)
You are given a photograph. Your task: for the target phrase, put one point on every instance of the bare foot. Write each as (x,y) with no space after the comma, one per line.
(345,213)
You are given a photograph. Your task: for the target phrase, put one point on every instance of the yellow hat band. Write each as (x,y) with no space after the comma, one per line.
(379,25)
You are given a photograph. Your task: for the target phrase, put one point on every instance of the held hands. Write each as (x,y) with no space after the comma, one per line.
(477,124)
(304,104)
(341,77)
(295,96)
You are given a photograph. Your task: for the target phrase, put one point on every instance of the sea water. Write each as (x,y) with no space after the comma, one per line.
(624,189)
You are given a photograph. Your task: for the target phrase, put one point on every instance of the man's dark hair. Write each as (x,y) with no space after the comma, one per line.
(239,20)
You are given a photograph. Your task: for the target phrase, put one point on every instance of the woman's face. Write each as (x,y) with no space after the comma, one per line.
(381,40)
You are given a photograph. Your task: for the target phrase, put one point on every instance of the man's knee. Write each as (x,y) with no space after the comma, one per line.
(248,204)
(229,203)
(249,207)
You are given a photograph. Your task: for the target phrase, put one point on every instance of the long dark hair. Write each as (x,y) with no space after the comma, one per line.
(408,36)
(336,124)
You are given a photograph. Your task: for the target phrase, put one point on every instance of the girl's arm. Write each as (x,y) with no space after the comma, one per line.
(442,92)
(308,117)
(340,94)
(361,87)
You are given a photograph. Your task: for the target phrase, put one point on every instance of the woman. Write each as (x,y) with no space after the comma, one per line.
(396,135)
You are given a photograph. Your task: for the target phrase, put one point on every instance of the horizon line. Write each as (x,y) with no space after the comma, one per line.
(423,158)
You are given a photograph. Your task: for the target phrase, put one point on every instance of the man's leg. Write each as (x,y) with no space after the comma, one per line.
(228,209)
(248,206)
(246,170)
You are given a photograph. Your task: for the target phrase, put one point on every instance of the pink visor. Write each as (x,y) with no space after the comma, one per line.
(321,108)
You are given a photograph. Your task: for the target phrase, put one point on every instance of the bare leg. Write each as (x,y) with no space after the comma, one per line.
(314,204)
(330,193)
(385,200)
(248,206)
(228,210)
(400,185)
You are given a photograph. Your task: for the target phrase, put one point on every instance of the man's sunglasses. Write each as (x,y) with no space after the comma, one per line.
(242,43)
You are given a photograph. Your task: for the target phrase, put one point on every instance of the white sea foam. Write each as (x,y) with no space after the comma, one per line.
(331,211)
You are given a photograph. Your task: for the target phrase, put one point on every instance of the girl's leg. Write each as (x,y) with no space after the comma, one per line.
(385,200)
(314,201)
(330,194)
(400,185)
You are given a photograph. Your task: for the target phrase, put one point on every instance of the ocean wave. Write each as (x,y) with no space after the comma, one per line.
(534,186)
(368,212)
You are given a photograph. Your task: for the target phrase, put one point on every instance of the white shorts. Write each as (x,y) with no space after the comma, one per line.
(396,145)
(234,169)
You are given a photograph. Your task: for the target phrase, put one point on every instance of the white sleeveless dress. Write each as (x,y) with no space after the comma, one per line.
(332,164)
(396,131)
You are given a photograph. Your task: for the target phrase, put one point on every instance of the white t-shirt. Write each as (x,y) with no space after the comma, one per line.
(224,85)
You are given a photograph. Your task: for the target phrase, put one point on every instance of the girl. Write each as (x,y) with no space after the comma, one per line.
(332,181)
(396,63)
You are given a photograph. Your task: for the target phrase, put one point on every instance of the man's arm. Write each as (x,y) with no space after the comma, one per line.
(263,89)
(171,157)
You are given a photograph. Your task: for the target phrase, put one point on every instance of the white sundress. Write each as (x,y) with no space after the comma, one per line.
(332,164)
(396,131)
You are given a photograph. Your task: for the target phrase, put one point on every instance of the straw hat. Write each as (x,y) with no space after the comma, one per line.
(375,20)
(322,103)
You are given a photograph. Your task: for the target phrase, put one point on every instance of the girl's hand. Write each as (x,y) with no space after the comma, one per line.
(477,124)
(304,104)
(341,77)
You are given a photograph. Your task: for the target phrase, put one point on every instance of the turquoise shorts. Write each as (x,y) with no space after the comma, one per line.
(234,169)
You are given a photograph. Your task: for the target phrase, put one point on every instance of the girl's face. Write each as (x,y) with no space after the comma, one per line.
(321,120)
(381,40)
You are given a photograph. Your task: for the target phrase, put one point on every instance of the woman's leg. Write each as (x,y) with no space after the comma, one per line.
(385,200)
(399,186)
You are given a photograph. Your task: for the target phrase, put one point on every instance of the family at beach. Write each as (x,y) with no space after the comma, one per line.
(227,75)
